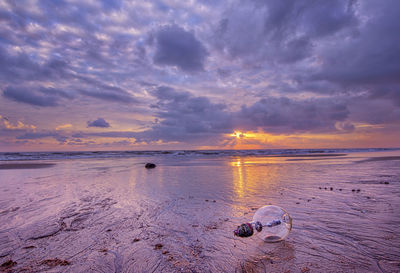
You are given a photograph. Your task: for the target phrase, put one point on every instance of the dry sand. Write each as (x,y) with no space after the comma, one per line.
(113,215)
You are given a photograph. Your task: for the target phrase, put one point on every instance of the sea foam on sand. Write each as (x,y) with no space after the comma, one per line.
(113,215)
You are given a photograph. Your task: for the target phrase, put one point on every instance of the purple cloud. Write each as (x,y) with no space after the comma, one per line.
(100,122)
(177,47)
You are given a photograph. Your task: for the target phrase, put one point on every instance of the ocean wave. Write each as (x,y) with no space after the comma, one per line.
(10,156)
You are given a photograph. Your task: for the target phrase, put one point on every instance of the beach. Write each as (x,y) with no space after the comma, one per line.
(114,215)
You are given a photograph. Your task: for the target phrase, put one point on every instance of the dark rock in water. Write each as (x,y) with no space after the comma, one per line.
(150,166)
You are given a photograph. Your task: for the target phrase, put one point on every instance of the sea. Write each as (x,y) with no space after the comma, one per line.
(18,156)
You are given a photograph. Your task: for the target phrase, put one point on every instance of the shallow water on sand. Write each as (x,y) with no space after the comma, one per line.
(113,215)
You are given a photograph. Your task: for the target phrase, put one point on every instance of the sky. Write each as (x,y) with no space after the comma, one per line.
(206,74)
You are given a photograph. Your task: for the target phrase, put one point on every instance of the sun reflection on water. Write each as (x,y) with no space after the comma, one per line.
(254,178)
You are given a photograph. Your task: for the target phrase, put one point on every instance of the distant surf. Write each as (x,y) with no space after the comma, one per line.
(12,156)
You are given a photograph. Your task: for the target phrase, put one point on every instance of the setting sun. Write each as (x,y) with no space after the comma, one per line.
(238,134)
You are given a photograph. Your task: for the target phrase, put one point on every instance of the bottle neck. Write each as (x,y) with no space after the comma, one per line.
(247,229)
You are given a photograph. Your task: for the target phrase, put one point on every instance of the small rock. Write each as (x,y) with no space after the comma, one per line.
(206,200)
(158,246)
(340,189)
(297,203)
(150,166)
(108,230)
(353,190)
(325,188)
(165,252)
(320,188)
(136,240)
(214,201)
(358,190)
(386,183)
(308,200)
(331,188)
(195,225)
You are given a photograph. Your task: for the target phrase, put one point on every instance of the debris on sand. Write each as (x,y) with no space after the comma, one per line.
(158,246)
(55,262)
(8,264)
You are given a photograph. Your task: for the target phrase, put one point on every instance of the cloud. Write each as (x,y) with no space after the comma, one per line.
(63,126)
(284,115)
(44,134)
(100,122)
(370,58)
(177,47)
(121,96)
(276,31)
(38,97)
(6,124)
(196,70)
(184,117)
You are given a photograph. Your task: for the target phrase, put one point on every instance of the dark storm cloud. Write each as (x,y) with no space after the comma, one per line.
(177,47)
(35,96)
(185,117)
(371,58)
(284,115)
(280,31)
(100,122)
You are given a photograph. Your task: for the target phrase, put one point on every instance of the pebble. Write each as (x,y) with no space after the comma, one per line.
(158,246)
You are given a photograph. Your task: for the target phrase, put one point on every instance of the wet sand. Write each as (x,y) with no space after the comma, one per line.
(113,215)
(9,166)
